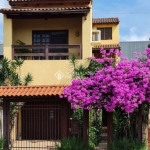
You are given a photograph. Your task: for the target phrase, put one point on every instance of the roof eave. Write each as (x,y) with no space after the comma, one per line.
(106,23)
(31,91)
(106,46)
(46,11)
(39,14)
(36,2)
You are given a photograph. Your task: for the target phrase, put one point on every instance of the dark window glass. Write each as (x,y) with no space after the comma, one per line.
(50,37)
(102,34)
(106,33)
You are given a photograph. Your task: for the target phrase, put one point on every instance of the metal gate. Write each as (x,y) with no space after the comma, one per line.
(37,125)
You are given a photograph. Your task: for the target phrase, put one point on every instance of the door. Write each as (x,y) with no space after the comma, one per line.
(50,37)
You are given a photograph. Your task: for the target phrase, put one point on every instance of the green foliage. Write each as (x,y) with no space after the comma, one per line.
(81,71)
(73,60)
(18,62)
(13,110)
(78,115)
(95,125)
(72,144)
(1,143)
(27,79)
(127,144)
(19,42)
(124,124)
(145,113)
(10,73)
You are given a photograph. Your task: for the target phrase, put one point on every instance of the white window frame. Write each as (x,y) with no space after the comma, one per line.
(98,34)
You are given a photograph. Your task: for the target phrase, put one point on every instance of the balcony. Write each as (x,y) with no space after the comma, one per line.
(46,52)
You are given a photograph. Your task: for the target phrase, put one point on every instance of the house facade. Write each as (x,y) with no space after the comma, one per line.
(63,25)
(45,33)
(109,34)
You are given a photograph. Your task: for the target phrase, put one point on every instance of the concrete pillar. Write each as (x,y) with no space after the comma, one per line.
(87,35)
(7,37)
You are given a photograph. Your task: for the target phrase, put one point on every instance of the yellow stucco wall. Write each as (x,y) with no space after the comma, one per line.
(8,32)
(48,72)
(22,28)
(115,33)
(87,35)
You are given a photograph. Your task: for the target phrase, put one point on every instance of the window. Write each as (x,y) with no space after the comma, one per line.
(96,36)
(106,33)
(50,37)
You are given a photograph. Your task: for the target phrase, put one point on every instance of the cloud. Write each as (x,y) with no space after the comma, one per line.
(133,15)
(134,36)
(133,30)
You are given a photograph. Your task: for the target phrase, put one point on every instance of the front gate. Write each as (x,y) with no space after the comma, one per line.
(36,125)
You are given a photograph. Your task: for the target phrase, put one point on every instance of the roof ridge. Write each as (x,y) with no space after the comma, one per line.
(106,20)
(107,46)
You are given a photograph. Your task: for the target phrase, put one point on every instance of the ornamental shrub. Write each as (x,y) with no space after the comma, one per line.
(125,84)
(72,144)
(127,144)
(1,143)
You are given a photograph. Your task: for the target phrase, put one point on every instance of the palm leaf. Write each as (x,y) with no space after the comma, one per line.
(27,79)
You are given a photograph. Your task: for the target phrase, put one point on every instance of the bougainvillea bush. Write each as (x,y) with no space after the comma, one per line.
(125,84)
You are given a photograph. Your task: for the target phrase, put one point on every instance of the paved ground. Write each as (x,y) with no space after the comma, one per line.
(33,145)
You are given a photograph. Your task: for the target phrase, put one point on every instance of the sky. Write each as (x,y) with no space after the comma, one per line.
(134,16)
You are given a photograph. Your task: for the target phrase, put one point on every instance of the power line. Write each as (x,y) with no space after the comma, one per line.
(134,13)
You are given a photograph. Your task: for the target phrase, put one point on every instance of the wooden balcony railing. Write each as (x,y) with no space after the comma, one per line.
(46,52)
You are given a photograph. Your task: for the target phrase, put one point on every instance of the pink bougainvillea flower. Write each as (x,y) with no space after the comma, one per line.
(125,85)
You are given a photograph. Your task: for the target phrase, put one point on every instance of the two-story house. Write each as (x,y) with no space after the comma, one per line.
(45,33)
(65,26)
(108,28)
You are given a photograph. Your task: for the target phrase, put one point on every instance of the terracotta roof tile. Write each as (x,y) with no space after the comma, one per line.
(66,1)
(30,91)
(106,46)
(8,10)
(105,20)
